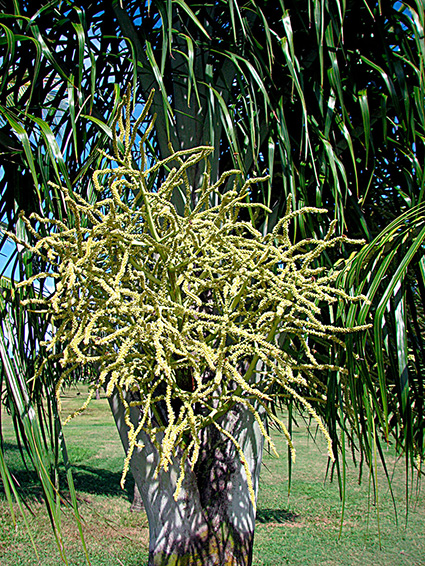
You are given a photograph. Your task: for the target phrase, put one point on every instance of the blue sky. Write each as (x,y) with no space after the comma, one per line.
(6,252)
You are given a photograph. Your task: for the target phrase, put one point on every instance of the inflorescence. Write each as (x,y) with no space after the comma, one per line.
(183,309)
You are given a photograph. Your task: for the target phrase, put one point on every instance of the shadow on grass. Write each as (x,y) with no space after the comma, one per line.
(96,481)
(276,516)
(10,446)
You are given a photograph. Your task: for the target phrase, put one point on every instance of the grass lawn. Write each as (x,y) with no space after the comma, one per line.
(300,530)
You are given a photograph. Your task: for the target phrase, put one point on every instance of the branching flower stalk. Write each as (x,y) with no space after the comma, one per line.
(183,310)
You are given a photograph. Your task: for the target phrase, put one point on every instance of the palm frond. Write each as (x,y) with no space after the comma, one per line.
(44,446)
(388,272)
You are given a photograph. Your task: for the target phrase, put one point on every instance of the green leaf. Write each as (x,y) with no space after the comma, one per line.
(192,16)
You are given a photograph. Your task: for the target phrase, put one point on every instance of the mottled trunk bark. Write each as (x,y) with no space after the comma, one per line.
(137,504)
(212,521)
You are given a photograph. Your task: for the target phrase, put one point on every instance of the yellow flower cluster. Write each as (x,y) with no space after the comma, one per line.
(184,310)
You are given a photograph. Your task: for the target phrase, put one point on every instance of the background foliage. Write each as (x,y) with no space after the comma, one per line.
(326,96)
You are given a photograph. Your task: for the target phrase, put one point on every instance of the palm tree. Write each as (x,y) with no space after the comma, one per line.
(327,97)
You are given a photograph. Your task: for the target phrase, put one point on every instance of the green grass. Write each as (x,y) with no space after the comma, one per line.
(300,530)
(304,529)
(114,536)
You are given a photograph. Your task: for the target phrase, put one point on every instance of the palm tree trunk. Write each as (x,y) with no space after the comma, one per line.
(212,521)
(137,504)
